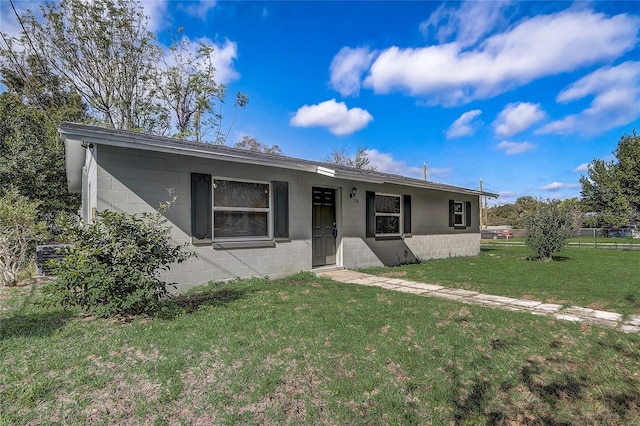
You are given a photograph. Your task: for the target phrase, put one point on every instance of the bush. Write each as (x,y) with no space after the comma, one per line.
(113,266)
(19,232)
(548,228)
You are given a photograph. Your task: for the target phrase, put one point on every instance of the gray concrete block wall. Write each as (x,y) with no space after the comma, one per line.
(443,246)
(357,254)
(136,181)
(219,265)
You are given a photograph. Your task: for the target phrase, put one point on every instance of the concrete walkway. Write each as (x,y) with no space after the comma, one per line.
(630,324)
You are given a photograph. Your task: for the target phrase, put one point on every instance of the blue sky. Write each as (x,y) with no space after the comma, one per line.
(520,94)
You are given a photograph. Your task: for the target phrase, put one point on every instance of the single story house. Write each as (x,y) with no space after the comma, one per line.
(250,214)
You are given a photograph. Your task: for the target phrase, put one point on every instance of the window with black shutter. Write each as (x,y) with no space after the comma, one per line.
(459,214)
(280,210)
(201,208)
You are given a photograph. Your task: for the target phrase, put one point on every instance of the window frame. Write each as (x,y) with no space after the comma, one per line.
(461,214)
(399,215)
(465,214)
(268,210)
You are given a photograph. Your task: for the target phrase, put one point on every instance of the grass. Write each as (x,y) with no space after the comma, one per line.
(599,279)
(306,350)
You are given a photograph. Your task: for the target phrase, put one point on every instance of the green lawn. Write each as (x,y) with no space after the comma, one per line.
(312,351)
(600,279)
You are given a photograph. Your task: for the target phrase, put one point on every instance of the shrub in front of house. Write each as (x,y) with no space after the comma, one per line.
(20,230)
(548,229)
(114,263)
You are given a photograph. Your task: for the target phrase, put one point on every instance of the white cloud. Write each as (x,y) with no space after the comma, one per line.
(584,167)
(544,45)
(557,186)
(224,56)
(616,101)
(156,10)
(333,115)
(513,148)
(517,117)
(198,9)
(467,24)
(347,68)
(464,125)
(385,163)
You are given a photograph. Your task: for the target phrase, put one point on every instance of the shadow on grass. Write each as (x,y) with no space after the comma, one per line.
(547,259)
(34,324)
(189,303)
(486,249)
(550,394)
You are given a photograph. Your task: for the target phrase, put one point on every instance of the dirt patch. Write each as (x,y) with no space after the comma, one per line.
(289,400)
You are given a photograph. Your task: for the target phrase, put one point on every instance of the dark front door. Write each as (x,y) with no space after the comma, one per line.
(324,227)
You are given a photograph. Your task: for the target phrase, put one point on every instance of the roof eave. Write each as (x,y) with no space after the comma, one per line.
(127,139)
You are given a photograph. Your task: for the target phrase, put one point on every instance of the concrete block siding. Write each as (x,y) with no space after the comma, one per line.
(135,181)
(219,265)
(442,246)
(357,254)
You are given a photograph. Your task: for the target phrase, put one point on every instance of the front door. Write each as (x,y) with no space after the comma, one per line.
(324,227)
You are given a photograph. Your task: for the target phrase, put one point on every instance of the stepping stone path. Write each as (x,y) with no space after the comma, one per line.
(630,324)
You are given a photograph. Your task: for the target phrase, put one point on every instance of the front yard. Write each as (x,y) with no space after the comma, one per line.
(306,350)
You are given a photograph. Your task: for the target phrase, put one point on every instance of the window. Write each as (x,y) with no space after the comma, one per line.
(387,213)
(241,210)
(459,214)
(384,213)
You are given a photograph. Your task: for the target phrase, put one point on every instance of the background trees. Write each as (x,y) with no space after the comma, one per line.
(612,188)
(103,51)
(360,160)
(31,153)
(19,231)
(252,144)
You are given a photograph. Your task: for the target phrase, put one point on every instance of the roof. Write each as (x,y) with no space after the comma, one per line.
(75,135)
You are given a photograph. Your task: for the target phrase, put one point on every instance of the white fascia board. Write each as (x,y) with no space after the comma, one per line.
(74,158)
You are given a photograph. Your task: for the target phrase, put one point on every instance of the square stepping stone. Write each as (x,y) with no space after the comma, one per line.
(626,328)
(498,299)
(526,303)
(548,307)
(427,287)
(633,320)
(567,317)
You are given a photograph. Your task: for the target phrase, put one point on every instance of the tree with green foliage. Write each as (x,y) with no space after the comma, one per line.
(103,50)
(32,154)
(252,144)
(548,228)
(360,160)
(612,188)
(513,214)
(185,83)
(20,230)
(113,265)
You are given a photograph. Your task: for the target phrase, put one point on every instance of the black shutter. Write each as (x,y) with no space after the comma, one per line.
(201,206)
(407,214)
(452,219)
(467,213)
(371,214)
(280,209)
